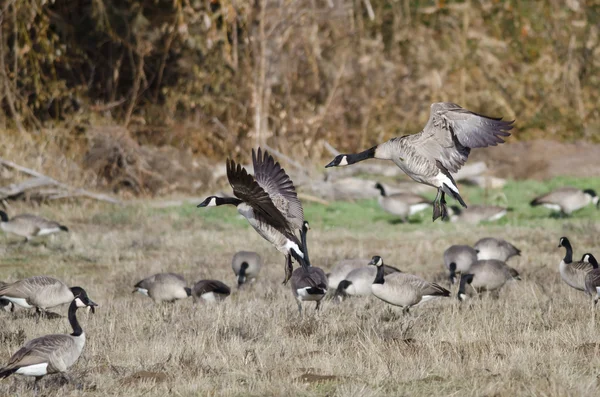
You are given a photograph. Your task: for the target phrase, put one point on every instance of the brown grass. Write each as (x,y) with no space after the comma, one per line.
(538,338)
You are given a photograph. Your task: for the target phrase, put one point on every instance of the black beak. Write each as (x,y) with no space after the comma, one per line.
(91,304)
(331,164)
(202,204)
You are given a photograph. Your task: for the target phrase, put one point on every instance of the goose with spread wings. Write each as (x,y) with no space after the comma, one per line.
(441,148)
(269,202)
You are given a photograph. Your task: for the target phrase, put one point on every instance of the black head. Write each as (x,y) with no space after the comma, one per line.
(3,216)
(343,285)
(455,210)
(564,242)
(339,161)
(82,299)
(188,291)
(591,192)
(244,266)
(211,201)
(514,273)
(376,261)
(589,258)
(380,187)
(452,268)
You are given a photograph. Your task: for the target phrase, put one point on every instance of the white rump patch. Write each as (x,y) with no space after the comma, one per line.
(497,216)
(209,297)
(34,370)
(18,301)
(418,208)
(426,298)
(442,179)
(463,296)
(553,207)
(343,161)
(142,291)
(303,295)
(44,232)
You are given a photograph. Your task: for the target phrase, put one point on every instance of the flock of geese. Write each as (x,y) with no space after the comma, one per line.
(269,202)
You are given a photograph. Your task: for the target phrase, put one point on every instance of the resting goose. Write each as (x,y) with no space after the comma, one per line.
(441,148)
(573,273)
(592,278)
(29,226)
(246,265)
(486,275)
(401,204)
(495,248)
(458,259)
(566,199)
(210,290)
(478,213)
(269,202)
(164,287)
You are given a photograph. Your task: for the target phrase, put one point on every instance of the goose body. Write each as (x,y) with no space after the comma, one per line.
(566,199)
(486,275)
(478,213)
(495,248)
(441,148)
(401,204)
(29,226)
(164,287)
(459,259)
(246,265)
(574,273)
(210,290)
(592,278)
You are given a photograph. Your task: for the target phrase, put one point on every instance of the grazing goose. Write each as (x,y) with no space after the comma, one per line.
(458,259)
(495,248)
(308,283)
(486,275)
(566,199)
(592,278)
(401,289)
(210,290)
(246,266)
(341,270)
(358,282)
(41,292)
(51,354)
(573,273)
(401,204)
(29,226)
(269,202)
(477,213)
(164,287)
(442,147)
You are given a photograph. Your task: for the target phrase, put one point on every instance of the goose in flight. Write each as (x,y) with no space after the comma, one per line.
(441,148)
(269,202)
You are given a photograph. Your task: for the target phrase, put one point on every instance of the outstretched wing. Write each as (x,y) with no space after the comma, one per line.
(452,132)
(278,185)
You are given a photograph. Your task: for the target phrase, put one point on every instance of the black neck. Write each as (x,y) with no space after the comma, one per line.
(464,280)
(569,254)
(452,268)
(306,261)
(3,216)
(243,268)
(228,200)
(77,330)
(381,189)
(367,154)
(379,276)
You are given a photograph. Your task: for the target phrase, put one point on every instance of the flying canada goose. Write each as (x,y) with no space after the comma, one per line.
(495,248)
(478,213)
(308,283)
(442,147)
(269,202)
(486,275)
(29,226)
(210,290)
(566,199)
(573,273)
(342,268)
(592,278)
(41,292)
(401,289)
(51,354)
(164,287)
(458,259)
(401,204)
(358,282)
(246,266)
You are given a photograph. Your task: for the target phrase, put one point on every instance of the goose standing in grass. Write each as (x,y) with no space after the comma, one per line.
(269,202)
(51,354)
(358,282)
(573,273)
(164,287)
(210,290)
(566,200)
(592,278)
(29,226)
(308,283)
(486,275)
(478,213)
(459,259)
(441,148)
(495,248)
(246,265)
(401,204)
(401,289)
(341,270)
(39,292)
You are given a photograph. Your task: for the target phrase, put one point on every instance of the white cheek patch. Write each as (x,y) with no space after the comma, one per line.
(343,161)
(380,262)
(212,202)
(79,303)
(595,200)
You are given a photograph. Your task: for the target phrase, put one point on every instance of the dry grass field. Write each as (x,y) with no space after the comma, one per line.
(538,339)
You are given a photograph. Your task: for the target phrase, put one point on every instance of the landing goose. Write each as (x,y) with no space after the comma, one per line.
(401,289)
(566,199)
(592,278)
(341,270)
(573,273)
(486,275)
(495,248)
(246,265)
(308,283)
(39,292)
(358,282)
(458,259)
(269,202)
(442,147)
(210,290)
(51,354)
(478,213)
(164,287)
(29,226)
(401,204)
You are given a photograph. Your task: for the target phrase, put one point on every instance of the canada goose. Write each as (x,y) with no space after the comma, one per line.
(401,204)
(308,283)
(573,273)
(592,278)
(341,270)
(401,289)
(566,199)
(246,266)
(210,290)
(486,275)
(478,213)
(358,281)
(51,354)
(5,304)
(442,147)
(495,248)
(458,259)
(164,287)
(29,226)
(41,292)
(269,202)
